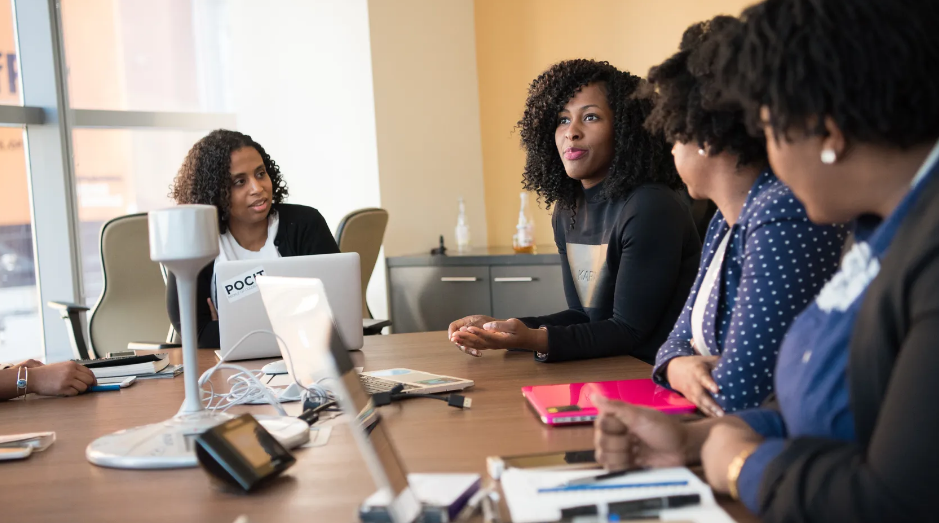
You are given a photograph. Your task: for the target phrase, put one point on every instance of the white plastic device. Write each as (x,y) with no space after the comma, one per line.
(275,367)
(184,239)
(124,381)
(11,453)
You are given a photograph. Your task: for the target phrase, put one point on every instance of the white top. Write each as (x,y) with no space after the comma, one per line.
(704,293)
(230,250)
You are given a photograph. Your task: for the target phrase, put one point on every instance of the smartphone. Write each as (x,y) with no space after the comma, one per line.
(38,441)
(11,453)
(573,459)
(123,381)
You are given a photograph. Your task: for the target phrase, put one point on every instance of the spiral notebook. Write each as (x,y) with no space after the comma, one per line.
(528,505)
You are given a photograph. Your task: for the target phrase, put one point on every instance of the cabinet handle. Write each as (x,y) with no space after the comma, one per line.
(459,278)
(513,280)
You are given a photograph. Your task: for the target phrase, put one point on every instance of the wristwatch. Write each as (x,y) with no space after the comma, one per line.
(21,381)
(733,471)
(542,355)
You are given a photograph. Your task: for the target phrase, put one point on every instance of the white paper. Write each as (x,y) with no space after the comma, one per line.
(526,505)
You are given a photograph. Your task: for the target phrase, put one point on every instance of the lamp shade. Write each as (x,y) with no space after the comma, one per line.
(184,238)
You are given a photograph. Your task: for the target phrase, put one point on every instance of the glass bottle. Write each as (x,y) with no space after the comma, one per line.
(462,229)
(523,242)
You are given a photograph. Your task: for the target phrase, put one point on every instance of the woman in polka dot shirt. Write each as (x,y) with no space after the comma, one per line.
(763,261)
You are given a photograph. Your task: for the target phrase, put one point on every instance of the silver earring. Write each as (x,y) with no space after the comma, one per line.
(828,157)
(702,152)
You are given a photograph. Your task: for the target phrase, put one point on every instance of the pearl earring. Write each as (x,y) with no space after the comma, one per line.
(702,152)
(828,157)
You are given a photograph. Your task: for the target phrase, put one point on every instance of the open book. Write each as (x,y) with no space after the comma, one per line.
(527,505)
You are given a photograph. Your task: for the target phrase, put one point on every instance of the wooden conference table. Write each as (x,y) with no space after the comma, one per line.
(327,483)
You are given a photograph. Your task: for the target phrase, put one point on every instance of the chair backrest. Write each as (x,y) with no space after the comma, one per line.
(132,305)
(362,231)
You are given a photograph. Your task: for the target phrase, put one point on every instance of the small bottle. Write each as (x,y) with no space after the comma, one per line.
(462,229)
(523,241)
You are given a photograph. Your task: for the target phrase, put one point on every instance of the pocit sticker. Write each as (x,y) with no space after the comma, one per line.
(241,286)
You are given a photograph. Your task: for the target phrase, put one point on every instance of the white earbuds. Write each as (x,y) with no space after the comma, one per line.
(702,152)
(829,156)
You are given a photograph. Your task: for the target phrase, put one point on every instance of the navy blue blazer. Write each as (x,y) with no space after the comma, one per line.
(775,264)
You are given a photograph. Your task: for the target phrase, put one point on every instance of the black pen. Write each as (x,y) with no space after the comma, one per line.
(647,508)
(637,506)
(592,479)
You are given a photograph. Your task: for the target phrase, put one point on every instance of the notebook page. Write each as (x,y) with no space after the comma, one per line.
(527,505)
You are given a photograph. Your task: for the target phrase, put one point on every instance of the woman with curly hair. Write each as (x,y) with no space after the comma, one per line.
(231,171)
(623,227)
(727,324)
(847,95)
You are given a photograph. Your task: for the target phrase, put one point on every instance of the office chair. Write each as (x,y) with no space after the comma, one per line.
(132,305)
(362,231)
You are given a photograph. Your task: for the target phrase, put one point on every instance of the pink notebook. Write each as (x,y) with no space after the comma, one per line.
(567,404)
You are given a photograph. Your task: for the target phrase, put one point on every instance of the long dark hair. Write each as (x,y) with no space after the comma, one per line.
(639,156)
(205,176)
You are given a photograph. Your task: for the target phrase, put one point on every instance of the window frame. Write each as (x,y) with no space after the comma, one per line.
(48,121)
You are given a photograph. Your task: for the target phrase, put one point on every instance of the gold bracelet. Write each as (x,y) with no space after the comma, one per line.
(733,471)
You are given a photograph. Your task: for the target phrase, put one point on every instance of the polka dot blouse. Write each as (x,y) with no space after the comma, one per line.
(775,264)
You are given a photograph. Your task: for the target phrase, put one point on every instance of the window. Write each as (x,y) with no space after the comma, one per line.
(20,325)
(141,80)
(10,92)
(141,55)
(117,172)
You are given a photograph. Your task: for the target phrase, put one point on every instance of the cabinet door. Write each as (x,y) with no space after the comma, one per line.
(430,298)
(527,290)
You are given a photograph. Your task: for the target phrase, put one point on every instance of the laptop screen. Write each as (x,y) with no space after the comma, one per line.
(300,314)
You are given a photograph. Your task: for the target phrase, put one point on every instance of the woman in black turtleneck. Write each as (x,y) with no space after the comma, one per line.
(629,248)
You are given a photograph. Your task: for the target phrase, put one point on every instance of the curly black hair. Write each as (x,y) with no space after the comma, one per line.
(689,106)
(205,176)
(869,65)
(639,156)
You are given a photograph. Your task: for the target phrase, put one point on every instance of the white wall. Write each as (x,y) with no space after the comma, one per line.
(427,114)
(302,77)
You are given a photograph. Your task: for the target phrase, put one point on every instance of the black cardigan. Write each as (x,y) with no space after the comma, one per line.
(891,473)
(301,231)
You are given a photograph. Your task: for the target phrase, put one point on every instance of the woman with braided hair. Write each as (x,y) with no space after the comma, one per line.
(622,222)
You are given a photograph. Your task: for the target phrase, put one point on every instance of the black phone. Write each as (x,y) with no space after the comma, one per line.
(241,453)
(570,459)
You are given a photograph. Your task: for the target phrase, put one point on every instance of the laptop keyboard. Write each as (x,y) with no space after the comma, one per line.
(375,385)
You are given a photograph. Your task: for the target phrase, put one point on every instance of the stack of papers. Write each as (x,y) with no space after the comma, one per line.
(170,371)
(127,366)
(528,505)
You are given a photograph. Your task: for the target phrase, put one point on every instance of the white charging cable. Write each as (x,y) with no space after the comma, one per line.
(246,385)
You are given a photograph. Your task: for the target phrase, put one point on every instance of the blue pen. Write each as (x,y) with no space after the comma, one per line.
(574,488)
(102,388)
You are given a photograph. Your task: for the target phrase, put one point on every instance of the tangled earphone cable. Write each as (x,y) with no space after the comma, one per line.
(246,385)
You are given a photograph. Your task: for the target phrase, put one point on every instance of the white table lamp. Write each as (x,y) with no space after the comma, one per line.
(184,239)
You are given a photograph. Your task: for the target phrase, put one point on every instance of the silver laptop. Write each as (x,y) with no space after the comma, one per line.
(302,317)
(240,309)
(296,291)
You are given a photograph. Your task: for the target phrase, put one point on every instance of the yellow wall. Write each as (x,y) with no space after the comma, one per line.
(516,40)
(427,121)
